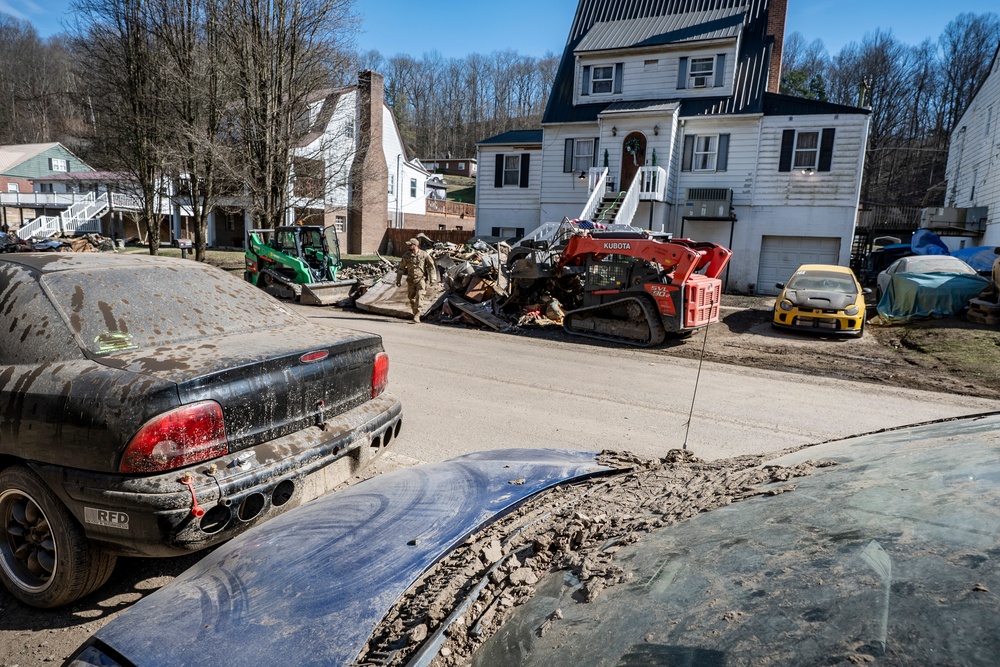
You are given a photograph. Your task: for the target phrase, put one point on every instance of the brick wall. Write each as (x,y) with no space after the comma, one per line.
(776,12)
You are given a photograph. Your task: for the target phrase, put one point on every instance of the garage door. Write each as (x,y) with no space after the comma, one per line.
(781,255)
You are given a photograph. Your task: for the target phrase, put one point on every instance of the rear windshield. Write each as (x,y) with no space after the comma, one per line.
(117,309)
(937,265)
(825,281)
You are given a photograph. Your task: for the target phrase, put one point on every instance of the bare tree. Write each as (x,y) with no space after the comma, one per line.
(278,52)
(114,39)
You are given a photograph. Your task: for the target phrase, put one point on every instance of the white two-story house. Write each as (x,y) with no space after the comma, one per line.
(973,171)
(665,115)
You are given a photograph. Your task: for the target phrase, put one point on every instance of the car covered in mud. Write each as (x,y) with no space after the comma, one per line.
(155,407)
(824,298)
(877,549)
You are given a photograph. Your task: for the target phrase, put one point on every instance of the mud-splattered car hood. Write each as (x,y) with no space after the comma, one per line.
(308,588)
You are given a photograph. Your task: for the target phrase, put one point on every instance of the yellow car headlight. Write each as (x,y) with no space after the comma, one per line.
(786,305)
(852,310)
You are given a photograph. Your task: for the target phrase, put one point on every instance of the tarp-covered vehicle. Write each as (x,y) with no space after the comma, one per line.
(155,407)
(925,286)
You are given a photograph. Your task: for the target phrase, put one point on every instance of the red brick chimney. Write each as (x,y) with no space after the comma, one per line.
(366,218)
(776,11)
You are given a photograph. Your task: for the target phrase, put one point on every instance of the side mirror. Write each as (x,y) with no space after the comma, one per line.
(866,291)
(780,285)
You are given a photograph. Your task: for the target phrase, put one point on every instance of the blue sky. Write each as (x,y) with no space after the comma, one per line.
(534,27)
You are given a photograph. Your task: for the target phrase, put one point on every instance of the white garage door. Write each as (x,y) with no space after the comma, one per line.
(781,255)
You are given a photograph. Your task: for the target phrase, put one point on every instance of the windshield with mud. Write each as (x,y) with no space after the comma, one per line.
(822,281)
(116,310)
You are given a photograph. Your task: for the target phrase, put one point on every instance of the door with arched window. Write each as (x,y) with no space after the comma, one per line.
(633,157)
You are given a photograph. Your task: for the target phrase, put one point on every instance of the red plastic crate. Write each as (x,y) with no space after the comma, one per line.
(702,297)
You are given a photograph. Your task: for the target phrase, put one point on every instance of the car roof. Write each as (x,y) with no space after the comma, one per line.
(50,262)
(825,267)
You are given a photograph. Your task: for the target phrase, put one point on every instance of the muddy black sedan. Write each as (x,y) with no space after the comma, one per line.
(155,407)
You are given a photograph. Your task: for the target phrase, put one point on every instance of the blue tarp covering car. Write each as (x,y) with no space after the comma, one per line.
(911,296)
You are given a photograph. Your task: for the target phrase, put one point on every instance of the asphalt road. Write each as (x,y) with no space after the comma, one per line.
(465,390)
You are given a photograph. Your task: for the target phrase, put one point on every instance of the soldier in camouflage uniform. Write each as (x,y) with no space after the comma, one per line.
(418,267)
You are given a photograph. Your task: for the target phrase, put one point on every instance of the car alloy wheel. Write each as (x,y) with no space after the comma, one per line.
(45,558)
(29,551)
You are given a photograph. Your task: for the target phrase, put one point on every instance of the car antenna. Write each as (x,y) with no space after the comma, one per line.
(701,360)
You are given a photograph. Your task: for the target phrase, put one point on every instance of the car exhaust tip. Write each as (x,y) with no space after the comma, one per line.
(282,493)
(251,507)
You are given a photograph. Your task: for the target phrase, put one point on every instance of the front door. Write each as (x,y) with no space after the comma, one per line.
(633,157)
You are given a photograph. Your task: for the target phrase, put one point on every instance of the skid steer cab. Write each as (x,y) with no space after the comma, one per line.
(636,290)
(300,262)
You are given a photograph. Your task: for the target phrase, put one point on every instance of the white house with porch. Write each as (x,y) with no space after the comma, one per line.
(665,115)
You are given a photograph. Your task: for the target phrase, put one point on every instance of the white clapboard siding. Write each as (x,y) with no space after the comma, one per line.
(640,82)
(972,173)
(837,187)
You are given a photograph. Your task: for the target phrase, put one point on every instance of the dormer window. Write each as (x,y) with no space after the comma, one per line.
(603,79)
(702,74)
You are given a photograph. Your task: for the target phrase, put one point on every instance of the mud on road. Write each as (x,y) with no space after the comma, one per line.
(948,355)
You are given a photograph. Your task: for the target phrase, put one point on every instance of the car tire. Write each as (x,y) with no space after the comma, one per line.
(46,560)
(878,295)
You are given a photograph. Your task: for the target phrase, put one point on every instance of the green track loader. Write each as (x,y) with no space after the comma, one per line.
(300,262)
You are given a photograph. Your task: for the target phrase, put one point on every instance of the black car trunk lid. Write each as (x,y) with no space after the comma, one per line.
(269,383)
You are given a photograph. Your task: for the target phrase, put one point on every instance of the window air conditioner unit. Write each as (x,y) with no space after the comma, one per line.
(708,203)
(700,82)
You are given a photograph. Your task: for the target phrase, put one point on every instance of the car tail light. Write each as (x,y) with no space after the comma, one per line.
(177,438)
(380,374)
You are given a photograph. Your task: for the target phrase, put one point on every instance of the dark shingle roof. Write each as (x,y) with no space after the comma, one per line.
(718,15)
(515,137)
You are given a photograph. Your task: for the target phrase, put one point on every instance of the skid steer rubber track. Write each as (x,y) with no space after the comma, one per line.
(641,324)
(280,286)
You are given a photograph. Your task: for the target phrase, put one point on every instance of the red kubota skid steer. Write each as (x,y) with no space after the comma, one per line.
(636,289)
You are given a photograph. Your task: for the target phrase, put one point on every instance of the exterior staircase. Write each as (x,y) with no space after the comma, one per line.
(83,217)
(608,208)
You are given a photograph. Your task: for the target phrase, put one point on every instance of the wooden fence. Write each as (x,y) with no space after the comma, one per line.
(395,239)
(446,207)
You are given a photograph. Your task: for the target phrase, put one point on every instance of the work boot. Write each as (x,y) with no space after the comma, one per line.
(416,318)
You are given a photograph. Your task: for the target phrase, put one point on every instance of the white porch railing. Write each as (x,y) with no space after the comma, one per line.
(653,184)
(630,204)
(42,227)
(83,216)
(37,199)
(130,202)
(597,183)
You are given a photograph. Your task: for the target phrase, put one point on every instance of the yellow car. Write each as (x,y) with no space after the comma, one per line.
(823,298)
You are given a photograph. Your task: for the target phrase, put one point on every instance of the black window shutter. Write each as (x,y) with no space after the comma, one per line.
(682,74)
(619,73)
(498,176)
(826,149)
(585,90)
(720,70)
(722,160)
(50,164)
(688,153)
(787,148)
(568,157)
(496,231)
(597,146)
(525,167)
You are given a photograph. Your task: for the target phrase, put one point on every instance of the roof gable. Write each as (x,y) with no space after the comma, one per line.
(669,22)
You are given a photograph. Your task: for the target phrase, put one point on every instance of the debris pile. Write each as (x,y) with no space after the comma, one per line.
(577,529)
(87,243)
(498,286)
